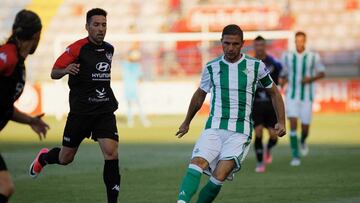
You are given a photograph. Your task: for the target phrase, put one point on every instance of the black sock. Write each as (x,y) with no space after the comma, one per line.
(271,144)
(3,198)
(259,149)
(303,137)
(111,176)
(52,157)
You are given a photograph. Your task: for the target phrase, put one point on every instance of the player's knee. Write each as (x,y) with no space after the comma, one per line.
(111,155)
(7,187)
(202,163)
(221,176)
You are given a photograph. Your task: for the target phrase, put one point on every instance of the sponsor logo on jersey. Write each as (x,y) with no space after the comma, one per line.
(102,66)
(109,56)
(100,96)
(3,57)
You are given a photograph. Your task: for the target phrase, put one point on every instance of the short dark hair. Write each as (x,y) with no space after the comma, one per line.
(259,38)
(300,33)
(25,25)
(233,29)
(95,12)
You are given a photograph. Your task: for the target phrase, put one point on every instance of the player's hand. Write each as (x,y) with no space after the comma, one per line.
(39,126)
(306,80)
(280,129)
(183,129)
(72,69)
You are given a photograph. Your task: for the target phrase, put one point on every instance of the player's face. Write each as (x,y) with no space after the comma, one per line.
(96,28)
(300,41)
(35,42)
(259,47)
(231,45)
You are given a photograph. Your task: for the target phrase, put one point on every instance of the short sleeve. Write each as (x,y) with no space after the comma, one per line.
(319,66)
(70,55)
(8,60)
(205,82)
(264,76)
(284,63)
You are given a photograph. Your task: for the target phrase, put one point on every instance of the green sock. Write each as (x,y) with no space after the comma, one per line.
(294,145)
(209,191)
(190,183)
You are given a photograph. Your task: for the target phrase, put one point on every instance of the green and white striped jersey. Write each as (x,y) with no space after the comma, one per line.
(232,87)
(297,66)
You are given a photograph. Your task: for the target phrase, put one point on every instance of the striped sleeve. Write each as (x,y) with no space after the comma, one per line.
(264,76)
(284,63)
(319,66)
(205,82)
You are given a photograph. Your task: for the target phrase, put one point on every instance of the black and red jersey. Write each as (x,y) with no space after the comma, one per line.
(12,80)
(90,91)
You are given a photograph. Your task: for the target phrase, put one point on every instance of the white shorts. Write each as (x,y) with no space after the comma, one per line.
(299,109)
(218,144)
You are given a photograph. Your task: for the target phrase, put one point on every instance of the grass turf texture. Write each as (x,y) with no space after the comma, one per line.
(153,162)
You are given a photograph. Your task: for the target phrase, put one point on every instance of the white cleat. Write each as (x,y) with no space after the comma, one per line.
(295,162)
(304,149)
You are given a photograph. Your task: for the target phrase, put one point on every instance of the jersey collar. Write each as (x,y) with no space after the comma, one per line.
(235,63)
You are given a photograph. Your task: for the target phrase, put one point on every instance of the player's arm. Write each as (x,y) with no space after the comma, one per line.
(283,76)
(36,123)
(71,69)
(279,108)
(277,101)
(320,71)
(318,76)
(65,64)
(197,101)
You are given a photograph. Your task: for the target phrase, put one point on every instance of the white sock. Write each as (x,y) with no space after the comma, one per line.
(195,167)
(216,181)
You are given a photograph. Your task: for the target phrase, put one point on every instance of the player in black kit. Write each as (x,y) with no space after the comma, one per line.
(92,103)
(264,115)
(23,41)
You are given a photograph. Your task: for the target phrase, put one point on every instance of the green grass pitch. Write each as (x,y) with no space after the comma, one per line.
(153,162)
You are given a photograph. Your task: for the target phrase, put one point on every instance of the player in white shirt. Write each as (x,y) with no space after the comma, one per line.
(231,79)
(301,68)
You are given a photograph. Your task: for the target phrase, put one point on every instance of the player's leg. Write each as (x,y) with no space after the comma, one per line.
(130,114)
(6,184)
(76,129)
(294,142)
(212,188)
(259,149)
(270,122)
(259,120)
(271,143)
(111,172)
(293,112)
(142,115)
(206,149)
(305,117)
(235,148)
(106,133)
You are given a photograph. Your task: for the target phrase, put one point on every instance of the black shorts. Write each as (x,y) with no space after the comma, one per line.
(264,114)
(2,164)
(78,127)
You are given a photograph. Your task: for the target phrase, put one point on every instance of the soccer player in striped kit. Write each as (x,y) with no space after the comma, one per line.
(301,68)
(231,79)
